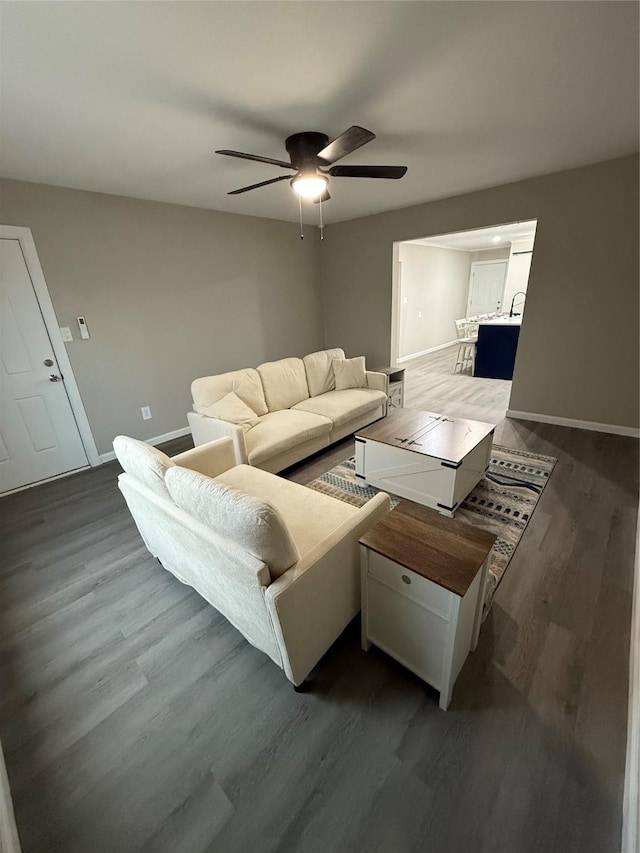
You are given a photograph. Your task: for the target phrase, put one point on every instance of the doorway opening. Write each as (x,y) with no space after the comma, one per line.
(458,306)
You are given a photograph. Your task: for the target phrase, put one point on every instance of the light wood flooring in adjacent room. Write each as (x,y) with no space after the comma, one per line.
(431,385)
(135,718)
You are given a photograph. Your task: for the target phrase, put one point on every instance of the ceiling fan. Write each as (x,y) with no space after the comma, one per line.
(312,156)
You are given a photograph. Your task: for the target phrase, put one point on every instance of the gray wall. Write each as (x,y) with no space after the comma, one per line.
(433,294)
(169,293)
(578,353)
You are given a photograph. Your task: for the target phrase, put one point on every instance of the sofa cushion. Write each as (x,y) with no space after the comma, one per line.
(343,406)
(319,369)
(234,410)
(278,431)
(308,515)
(284,383)
(245,383)
(350,373)
(246,519)
(144,462)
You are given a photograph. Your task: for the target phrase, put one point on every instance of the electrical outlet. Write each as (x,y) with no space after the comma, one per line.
(419,315)
(146,413)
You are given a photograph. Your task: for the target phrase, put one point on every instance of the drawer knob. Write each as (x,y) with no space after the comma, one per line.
(406,579)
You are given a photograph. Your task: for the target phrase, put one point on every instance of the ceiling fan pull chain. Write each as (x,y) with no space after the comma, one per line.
(321,222)
(300,210)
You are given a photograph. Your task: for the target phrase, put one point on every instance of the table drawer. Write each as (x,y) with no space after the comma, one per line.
(411,585)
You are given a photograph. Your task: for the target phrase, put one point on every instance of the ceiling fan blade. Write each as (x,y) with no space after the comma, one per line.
(324,197)
(256,157)
(367,171)
(261,184)
(344,144)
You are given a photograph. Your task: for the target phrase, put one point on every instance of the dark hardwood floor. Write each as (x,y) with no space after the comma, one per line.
(135,718)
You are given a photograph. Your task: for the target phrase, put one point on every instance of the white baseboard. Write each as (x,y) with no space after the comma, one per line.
(632,432)
(425,352)
(158,439)
(631,800)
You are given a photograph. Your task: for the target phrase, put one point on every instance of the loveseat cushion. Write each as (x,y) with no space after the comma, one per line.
(246,519)
(319,369)
(144,462)
(234,410)
(246,383)
(343,406)
(309,516)
(284,383)
(279,431)
(350,373)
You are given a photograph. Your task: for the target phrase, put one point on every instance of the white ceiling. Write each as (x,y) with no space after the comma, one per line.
(483,238)
(132,98)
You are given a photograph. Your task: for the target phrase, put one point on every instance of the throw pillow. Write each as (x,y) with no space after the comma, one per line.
(350,373)
(232,409)
(319,370)
(250,522)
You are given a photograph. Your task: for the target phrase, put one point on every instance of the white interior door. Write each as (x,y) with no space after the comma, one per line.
(486,288)
(39,436)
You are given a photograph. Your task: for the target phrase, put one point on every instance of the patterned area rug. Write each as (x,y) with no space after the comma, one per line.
(502,502)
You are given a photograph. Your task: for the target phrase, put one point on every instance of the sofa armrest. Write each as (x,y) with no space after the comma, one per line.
(210,459)
(314,601)
(376,381)
(204,430)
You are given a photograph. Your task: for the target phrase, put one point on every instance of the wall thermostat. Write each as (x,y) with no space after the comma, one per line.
(82,325)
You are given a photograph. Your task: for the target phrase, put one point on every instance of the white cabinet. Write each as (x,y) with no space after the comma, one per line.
(408,609)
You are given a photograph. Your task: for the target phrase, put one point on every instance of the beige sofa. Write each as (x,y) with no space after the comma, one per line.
(277,559)
(294,407)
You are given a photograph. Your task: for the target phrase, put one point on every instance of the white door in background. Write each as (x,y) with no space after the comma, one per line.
(486,288)
(39,436)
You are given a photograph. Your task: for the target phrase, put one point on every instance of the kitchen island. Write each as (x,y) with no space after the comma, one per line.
(496,347)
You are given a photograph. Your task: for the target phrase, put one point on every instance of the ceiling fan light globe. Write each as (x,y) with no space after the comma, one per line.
(310,186)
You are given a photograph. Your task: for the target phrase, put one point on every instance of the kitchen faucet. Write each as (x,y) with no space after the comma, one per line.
(523,292)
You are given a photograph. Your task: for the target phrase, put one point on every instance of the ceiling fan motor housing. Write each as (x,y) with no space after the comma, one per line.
(303,149)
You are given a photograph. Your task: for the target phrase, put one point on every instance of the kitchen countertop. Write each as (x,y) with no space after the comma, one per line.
(501,321)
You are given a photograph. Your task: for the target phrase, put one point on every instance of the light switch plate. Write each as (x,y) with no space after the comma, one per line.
(65,331)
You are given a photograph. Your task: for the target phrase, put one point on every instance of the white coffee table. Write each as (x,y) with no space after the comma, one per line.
(428,458)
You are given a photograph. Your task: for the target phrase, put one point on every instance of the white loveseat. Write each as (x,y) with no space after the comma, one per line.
(277,559)
(292,408)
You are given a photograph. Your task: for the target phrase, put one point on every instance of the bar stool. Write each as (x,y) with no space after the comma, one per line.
(467,334)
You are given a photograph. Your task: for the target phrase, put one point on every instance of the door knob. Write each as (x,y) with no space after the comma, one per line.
(54,377)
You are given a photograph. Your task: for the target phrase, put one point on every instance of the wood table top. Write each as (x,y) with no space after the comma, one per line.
(443,550)
(429,433)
